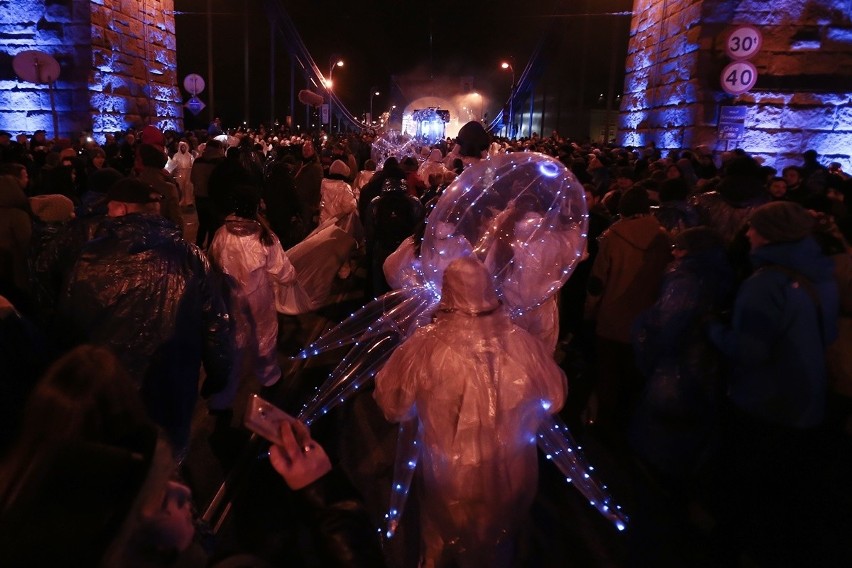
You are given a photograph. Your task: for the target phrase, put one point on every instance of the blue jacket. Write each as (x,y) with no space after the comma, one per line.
(776,341)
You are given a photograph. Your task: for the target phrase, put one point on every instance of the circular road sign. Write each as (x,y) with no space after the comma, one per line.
(193,83)
(36,67)
(743,42)
(738,77)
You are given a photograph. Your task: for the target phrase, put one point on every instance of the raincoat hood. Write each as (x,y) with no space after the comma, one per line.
(468,288)
(637,231)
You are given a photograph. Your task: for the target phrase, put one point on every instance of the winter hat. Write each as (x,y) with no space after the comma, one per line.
(473,139)
(99,181)
(634,201)
(133,190)
(52,208)
(338,168)
(467,287)
(153,136)
(782,221)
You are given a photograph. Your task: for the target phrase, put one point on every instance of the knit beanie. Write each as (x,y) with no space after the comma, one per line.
(52,208)
(782,221)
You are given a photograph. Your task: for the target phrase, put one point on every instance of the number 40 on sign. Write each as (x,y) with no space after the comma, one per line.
(738,77)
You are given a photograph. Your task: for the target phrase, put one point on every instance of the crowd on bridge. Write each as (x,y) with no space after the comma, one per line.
(705,335)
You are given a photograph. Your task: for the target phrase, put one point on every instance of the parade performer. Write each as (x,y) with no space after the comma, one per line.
(480,388)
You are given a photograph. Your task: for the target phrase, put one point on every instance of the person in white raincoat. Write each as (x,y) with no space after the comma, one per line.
(249,256)
(534,251)
(336,197)
(180,165)
(480,387)
(434,164)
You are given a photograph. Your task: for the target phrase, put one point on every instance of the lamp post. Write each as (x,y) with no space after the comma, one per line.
(373,92)
(507,65)
(333,62)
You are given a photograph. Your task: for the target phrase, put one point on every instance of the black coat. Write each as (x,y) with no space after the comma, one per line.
(143,291)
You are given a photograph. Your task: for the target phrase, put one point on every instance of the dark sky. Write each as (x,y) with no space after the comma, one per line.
(377,39)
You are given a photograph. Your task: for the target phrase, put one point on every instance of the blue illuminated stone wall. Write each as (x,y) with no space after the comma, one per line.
(118,65)
(803,96)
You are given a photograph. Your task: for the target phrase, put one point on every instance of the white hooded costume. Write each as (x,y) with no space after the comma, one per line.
(434,164)
(480,388)
(253,271)
(180,165)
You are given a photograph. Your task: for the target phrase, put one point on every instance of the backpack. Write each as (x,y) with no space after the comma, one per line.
(394,217)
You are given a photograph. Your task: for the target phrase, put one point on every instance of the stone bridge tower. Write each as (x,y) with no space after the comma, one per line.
(117,58)
(802,98)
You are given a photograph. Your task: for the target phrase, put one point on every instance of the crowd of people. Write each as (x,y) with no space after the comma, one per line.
(705,333)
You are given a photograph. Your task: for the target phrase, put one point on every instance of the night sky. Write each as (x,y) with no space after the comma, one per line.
(378,39)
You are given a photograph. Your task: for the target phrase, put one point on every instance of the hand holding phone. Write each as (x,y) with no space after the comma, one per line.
(265,419)
(294,454)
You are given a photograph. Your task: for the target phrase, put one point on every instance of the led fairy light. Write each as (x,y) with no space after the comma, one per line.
(477,214)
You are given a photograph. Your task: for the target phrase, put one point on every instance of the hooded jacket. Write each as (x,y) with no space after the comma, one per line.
(778,335)
(143,291)
(626,275)
(202,168)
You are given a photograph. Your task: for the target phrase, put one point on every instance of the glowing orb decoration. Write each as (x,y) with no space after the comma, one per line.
(392,144)
(523,214)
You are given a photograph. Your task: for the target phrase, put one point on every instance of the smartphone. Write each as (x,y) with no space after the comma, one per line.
(264,419)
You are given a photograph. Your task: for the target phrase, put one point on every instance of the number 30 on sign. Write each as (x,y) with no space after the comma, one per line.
(738,77)
(743,42)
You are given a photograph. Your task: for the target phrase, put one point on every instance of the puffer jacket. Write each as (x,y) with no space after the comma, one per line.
(143,291)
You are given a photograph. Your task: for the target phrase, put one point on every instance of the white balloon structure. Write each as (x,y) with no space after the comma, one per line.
(524,215)
(392,144)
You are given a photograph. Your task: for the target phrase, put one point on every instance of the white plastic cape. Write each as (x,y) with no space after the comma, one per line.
(316,259)
(337,199)
(466,220)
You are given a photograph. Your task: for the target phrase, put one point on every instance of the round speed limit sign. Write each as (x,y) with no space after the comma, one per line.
(738,77)
(743,42)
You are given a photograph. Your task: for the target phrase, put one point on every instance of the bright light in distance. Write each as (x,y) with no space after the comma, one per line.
(505,65)
(339,63)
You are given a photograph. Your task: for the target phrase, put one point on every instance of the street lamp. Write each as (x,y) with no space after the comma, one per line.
(506,65)
(333,62)
(373,92)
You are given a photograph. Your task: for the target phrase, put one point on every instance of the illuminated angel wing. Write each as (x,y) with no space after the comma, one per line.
(558,446)
(511,211)
(407,454)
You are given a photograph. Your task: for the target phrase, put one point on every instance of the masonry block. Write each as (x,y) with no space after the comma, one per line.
(682,52)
